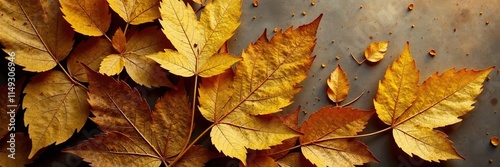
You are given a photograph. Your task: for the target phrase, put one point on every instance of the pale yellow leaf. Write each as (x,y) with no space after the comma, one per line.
(55,109)
(217,64)
(396,92)
(136,11)
(39,39)
(219,20)
(119,41)
(88,17)
(338,85)
(376,51)
(134,135)
(175,62)
(323,143)
(180,25)
(112,64)
(441,99)
(428,144)
(90,53)
(294,159)
(18,155)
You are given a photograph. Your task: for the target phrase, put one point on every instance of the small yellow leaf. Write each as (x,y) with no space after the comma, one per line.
(428,144)
(338,85)
(322,142)
(294,159)
(396,92)
(89,17)
(18,157)
(119,41)
(35,32)
(260,161)
(90,53)
(217,64)
(376,51)
(136,12)
(112,65)
(55,109)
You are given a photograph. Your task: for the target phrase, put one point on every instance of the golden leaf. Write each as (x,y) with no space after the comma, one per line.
(264,82)
(196,156)
(21,150)
(39,39)
(142,70)
(135,135)
(428,144)
(89,17)
(260,161)
(414,111)
(197,41)
(8,109)
(136,12)
(324,142)
(396,91)
(338,85)
(294,159)
(90,53)
(119,41)
(376,51)
(55,108)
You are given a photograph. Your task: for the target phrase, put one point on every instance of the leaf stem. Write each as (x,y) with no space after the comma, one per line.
(191,145)
(193,109)
(352,101)
(125,31)
(359,62)
(332,138)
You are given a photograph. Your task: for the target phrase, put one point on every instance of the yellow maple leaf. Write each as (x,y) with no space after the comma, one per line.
(197,42)
(136,12)
(89,17)
(413,111)
(39,39)
(338,85)
(260,85)
(90,53)
(55,108)
(18,157)
(376,51)
(323,143)
(133,134)
(133,58)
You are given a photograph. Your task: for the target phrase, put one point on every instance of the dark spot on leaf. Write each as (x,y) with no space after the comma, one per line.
(24,24)
(13,19)
(195,45)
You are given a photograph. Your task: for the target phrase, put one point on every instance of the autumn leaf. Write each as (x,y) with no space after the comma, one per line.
(133,58)
(38,39)
(376,51)
(293,160)
(136,12)
(133,134)
(264,82)
(414,111)
(396,91)
(55,108)
(197,42)
(338,85)
(119,41)
(88,17)
(21,150)
(260,161)
(90,53)
(326,139)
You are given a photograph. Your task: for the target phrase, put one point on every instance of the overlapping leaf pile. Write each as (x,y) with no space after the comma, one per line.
(240,102)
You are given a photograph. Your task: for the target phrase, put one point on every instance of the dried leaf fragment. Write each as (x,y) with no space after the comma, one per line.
(410,7)
(255,3)
(432,53)
(376,51)
(494,141)
(338,85)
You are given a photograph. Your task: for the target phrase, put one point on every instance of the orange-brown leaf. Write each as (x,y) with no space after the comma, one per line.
(324,140)
(260,161)
(196,156)
(133,133)
(18,157)
(119,41)
(292,120)
(35,32)
(294,159)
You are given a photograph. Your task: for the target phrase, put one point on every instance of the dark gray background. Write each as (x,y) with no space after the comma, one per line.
(351,27)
